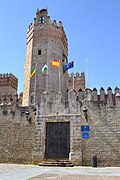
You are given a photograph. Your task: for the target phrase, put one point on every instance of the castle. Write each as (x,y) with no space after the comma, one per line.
(52,119)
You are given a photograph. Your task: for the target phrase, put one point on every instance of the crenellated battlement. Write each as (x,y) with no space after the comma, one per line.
(10,76)
(77,75)
(10,99)
(79,81)
(54,104)
(11,107)
(42,19)
(108,98)
(51,28)
(8,84)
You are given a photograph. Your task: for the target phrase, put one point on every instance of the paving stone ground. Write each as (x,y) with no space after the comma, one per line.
(73,177)
(32,172)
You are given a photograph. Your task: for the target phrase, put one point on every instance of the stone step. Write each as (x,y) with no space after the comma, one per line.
(56,162)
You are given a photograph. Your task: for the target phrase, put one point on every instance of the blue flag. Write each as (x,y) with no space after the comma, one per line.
(69,66)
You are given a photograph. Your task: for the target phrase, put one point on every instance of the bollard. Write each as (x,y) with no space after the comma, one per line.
(94,160)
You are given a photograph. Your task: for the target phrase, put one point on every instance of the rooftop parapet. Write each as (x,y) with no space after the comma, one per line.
(77,75)
(8,80)
(47,27)
(105,98)
(11,98)
(5,76)
(43,18)
(79,81)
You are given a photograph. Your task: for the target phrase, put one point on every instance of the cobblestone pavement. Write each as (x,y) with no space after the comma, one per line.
(32,172)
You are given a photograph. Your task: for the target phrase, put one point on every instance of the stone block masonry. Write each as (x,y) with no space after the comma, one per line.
(17,136)
(26,132)
(79,81)
(46,40)
(103,117)
(8,84)
(25,142)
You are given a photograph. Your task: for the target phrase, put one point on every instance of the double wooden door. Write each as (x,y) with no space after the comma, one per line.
(57,140)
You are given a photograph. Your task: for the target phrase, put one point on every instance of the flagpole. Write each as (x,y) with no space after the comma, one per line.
(73,79)
(59,77)
(86,72)
(35,84)
(47,79)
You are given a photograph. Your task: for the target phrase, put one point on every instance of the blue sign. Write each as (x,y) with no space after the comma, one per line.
(85,128)
(85,135)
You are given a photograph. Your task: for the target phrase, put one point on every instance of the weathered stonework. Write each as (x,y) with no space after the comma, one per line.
(46,41)
(79,81)
(8,84)
(17,136)
(23,129)
(23,141)
(103,120)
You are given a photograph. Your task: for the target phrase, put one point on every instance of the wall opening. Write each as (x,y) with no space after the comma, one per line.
(57,143)
(39,52)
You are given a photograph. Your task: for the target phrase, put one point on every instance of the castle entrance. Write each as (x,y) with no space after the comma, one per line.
(57,140)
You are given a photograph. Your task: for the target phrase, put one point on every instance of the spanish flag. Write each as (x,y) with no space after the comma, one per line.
(33,71)
(55,63)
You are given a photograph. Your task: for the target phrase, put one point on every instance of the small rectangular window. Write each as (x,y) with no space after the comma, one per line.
(39,52)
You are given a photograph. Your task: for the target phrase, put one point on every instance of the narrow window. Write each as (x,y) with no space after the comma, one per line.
(42,19)
(39,52)
(32,100)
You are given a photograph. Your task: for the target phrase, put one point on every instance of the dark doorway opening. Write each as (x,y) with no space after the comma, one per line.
(57,140)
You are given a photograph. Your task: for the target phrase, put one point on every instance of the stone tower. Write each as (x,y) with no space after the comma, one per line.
(8,84)
(46,40)
(79,81)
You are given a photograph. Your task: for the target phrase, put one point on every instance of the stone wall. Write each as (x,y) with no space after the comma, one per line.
(22,140)
(79,81)
(104,134)
(103,117)
(27,68)
(17,136)
(46,40)
(8,84)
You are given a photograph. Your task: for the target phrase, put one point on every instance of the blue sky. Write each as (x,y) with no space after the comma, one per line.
(92,28)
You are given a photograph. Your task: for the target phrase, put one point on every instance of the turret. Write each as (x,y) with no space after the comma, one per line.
(79,81)
(8,84)
(46,41)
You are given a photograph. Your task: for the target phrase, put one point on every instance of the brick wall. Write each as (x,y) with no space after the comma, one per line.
(79,81)
(8,84)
